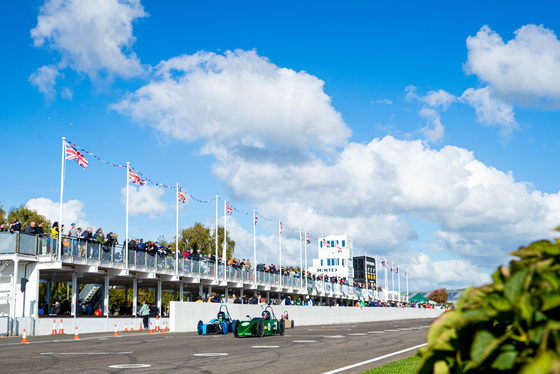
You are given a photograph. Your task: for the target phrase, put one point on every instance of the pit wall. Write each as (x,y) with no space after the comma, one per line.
(184,316)
(44,325)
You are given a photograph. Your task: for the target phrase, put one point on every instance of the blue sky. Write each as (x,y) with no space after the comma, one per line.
(427,132)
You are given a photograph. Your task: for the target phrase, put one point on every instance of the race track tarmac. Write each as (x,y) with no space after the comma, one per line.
(307,349)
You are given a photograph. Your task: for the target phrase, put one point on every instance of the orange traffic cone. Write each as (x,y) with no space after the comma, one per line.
(157,324)
(125,327)
(162,327)
(141,328)
(53,327)
(76,336)
(151,330)
(116,332)
(132,326)
(61,330)
(166,326)
(24,340)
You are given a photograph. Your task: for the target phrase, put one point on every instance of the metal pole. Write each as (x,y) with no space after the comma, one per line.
(224,254)
(216,255)
(59,246)
(177,233)
(126,229)
(254,247)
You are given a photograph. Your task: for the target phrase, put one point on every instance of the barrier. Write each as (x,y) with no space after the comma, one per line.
(86,325)
(185,315)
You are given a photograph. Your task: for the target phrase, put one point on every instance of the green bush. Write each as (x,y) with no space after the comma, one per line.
(511,325)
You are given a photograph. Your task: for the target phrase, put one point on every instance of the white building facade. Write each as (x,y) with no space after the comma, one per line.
(336,254)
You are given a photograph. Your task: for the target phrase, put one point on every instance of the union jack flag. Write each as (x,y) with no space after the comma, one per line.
(339,249)
(73,154)
(397,269)
(383,263)
(392,268)
(307,238)
(228,208)
(300,236)
(326,243)
(256,218)
(280,222)
(406,273)
(181,196)
(133,177)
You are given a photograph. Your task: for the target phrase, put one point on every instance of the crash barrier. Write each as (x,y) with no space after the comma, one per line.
(44,326)
(184,316)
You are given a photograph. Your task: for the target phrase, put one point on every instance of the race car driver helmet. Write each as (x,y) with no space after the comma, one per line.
(266,315)
(221,316)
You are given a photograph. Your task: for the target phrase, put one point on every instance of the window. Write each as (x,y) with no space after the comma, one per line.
(344,243)
(321,262)
(342,262)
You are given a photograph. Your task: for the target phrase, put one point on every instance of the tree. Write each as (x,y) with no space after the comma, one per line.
(439,296)
(26,216)
(201,238)
(2,213)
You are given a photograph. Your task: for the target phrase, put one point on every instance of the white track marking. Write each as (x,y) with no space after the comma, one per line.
(374,359)
(264,346)
(130,366)
(210,354)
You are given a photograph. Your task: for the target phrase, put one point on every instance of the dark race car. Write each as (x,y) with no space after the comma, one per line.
(266,324)
(222,324)
(288,322)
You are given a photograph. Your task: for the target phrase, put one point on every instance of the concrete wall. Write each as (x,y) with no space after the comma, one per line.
(184,316)
(44,325)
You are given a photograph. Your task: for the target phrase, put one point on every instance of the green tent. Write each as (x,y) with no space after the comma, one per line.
(418,298)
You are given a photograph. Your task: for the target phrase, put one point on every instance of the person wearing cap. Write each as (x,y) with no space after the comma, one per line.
(73,234)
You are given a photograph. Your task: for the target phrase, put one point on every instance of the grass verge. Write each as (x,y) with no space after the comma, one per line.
(406,366)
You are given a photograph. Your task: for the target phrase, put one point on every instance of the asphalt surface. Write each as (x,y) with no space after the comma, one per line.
(308,349)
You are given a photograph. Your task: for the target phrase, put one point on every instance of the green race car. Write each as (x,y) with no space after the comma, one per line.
(267,324)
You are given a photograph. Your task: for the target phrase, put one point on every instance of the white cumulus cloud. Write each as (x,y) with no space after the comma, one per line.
(44,79)
(144,200)
(524,70)
(72,211)
(489,110)
(91,37)
(237,99)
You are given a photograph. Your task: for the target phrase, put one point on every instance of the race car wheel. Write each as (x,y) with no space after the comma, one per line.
(292,323)
(199,327)
(260,328)
(224,327)
(236,328)
(282,327)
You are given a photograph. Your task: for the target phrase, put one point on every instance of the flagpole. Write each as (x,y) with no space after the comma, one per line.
(59,246)
(216,255)
(177,232)
(255,247)
(392,280)
(225,240)
(280,249)
(386,280)
(300,258)
(399,281)
(406,278)
(127,201)
(305,248)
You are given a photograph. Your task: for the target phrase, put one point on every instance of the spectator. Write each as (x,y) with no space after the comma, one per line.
(15,226)
(54,231)
(31,229)
(98,312)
